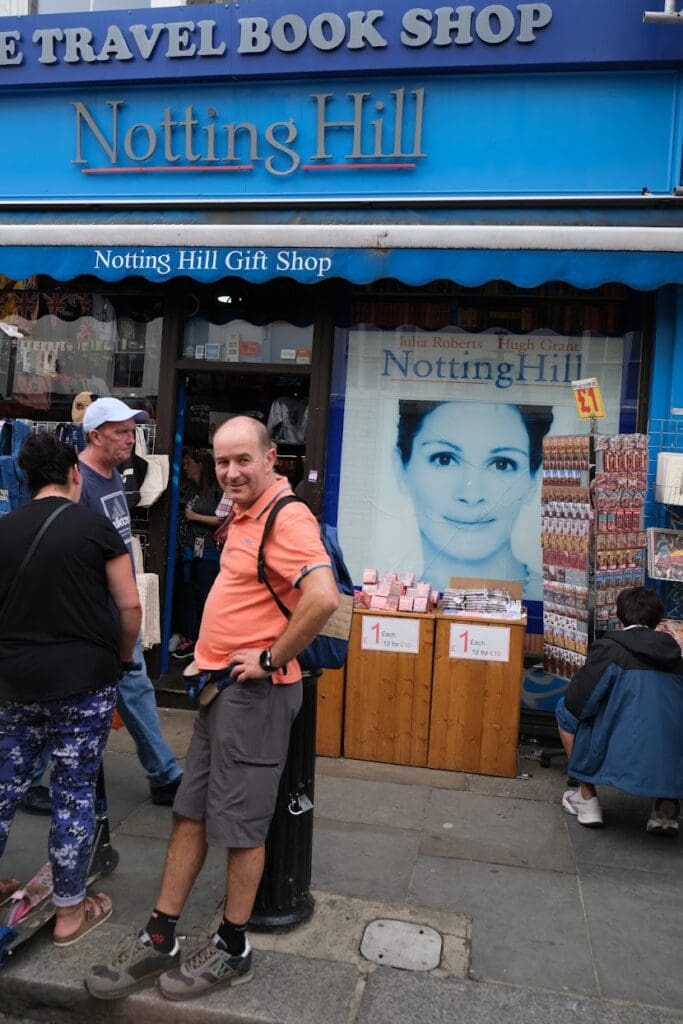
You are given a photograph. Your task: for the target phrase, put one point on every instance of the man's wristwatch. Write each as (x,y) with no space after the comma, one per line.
(265,660)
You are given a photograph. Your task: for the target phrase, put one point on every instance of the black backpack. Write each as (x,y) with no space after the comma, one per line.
(325,651)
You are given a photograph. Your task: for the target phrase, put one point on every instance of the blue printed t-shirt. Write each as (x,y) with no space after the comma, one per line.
(106,495)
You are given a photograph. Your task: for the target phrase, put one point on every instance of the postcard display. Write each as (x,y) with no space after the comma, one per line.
(593,539)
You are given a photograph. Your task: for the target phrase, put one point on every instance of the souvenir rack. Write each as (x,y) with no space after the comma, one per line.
(593,539)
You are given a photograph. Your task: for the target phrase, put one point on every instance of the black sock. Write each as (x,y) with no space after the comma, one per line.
(161,930)
(233,935)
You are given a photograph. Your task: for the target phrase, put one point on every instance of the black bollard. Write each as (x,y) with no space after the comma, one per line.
(284,899)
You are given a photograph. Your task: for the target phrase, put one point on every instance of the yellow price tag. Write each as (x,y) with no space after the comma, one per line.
(588,399)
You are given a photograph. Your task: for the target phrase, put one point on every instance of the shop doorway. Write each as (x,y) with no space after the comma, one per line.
(233,349)
(278,396)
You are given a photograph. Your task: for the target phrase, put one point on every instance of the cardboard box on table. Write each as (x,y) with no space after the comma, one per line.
(474,722)
(388,690)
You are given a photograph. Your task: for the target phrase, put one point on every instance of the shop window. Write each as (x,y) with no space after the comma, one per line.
(14,8)
(240,341)
(448,392)
(56,344)
(234,322)
(500,305)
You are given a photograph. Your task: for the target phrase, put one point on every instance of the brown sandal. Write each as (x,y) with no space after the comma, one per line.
(96,910)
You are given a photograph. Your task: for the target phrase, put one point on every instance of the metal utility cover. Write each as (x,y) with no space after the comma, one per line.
(411,947)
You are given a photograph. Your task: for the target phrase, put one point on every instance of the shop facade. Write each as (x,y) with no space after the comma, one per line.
(338,219)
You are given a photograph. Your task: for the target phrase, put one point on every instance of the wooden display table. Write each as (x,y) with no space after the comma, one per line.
(330,712)
(388,687)
(474,723)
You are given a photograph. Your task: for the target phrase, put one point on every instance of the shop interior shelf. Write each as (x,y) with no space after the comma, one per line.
(215,365)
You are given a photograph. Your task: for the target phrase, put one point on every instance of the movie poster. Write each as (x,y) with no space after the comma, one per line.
(441,452)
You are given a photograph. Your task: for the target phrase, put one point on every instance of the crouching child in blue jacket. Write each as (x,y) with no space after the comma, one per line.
(621,719)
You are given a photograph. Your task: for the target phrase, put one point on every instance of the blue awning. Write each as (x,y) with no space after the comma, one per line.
(643,250)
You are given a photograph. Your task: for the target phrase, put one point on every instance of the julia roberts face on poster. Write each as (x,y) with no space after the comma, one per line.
(468,468)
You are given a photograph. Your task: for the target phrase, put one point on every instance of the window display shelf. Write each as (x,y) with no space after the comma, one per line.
(214,365)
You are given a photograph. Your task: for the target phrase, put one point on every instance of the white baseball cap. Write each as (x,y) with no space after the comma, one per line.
(110,410)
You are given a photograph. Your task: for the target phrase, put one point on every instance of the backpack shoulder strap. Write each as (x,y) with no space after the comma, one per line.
(260,558)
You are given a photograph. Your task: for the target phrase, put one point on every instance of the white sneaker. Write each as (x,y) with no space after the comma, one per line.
(173,642)
(588,812)
(663,820)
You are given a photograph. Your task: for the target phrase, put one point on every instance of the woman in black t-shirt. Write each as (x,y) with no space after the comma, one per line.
(61,652)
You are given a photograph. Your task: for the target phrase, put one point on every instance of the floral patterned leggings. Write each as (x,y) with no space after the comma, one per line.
(76,730)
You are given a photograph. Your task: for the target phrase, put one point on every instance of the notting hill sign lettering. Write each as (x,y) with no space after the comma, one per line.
(301,37)
(350,128)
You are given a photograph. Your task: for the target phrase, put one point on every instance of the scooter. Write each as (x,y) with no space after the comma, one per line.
(30,907)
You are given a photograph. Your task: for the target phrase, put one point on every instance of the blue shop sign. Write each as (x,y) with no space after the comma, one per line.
(279,38)
(334,138)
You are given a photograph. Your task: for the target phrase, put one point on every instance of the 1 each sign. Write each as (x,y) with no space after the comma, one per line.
(400,636)
(479,643)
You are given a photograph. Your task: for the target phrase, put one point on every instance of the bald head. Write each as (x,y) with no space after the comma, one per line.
(245,459)
(243,426)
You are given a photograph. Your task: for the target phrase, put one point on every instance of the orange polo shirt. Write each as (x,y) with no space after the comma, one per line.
(240,611)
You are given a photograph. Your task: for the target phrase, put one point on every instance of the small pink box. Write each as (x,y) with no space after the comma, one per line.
(405,604)
(378,602)
(370,588)
(392,604)
(407,579)
(397,589)
(383,588)
(434,598)
(420,604)
(369,575)
(423,590)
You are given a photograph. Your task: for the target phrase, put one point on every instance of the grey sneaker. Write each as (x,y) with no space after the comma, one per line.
(663,820)
(209,966)
(134,963)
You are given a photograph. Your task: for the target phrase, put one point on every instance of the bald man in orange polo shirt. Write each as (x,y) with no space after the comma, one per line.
(240,740)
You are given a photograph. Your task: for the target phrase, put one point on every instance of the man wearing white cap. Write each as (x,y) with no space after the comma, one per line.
(109,425)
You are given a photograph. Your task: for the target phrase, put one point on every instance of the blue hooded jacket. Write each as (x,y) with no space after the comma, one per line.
(628,698)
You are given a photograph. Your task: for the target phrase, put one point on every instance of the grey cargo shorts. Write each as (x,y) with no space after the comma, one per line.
(236,756)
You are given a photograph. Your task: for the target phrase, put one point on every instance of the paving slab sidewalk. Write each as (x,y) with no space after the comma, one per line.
(541,920)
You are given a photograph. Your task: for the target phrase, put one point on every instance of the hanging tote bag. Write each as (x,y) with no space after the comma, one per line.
(156,480)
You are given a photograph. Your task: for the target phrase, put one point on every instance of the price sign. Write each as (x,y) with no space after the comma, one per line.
(479,643)
(588,399)
(400,636)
